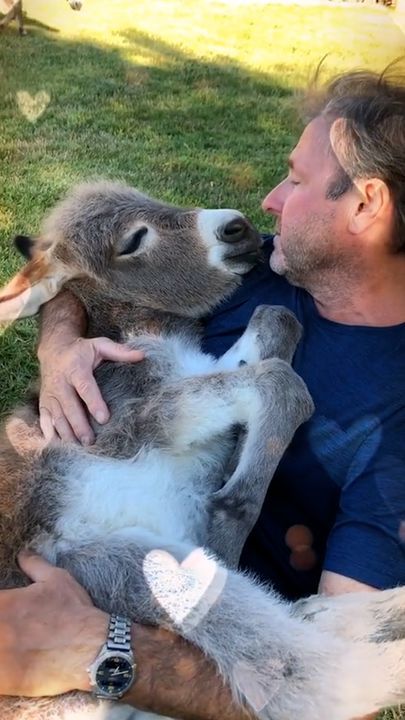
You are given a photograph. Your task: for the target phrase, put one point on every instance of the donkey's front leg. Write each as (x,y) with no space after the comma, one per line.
(185,415)
(285,404)
(272,331)
(201,409)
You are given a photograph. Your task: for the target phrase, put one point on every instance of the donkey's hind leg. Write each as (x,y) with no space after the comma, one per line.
(276,663)
(366,616)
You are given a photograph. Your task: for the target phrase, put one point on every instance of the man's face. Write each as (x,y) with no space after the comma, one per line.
(311,233)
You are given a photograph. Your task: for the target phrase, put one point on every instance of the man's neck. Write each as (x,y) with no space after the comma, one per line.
(376,299)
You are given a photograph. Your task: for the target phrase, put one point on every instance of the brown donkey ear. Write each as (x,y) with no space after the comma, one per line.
(36,283)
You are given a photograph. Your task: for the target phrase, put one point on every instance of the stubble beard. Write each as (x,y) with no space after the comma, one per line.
(310,257)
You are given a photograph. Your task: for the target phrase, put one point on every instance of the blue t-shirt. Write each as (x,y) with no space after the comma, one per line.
(337,500)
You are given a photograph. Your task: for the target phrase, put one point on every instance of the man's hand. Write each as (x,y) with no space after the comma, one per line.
(49,633)
(68,386)
(67,363)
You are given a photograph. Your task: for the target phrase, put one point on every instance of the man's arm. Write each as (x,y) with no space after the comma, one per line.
(176,680)
(334,584)
(67,361)
(50,633)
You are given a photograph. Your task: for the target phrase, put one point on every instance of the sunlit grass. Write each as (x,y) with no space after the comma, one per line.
(188,101)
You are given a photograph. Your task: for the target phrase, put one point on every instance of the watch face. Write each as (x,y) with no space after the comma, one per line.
(114,675)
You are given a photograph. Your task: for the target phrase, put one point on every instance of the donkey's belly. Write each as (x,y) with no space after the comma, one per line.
(156,491)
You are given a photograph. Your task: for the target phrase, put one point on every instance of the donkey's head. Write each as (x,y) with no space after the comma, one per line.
(129,248)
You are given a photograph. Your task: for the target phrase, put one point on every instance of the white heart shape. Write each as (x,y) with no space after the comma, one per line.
(249,684)
(32,107)
(186,590)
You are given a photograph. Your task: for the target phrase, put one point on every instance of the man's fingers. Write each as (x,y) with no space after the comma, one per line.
(71,423)
(62,410)
(79,423)
(37,569)
(46,424)
(107,349)
(60,422)
(64,429)
(87,388)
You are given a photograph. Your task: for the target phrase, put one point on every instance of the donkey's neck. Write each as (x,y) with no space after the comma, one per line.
(119,320)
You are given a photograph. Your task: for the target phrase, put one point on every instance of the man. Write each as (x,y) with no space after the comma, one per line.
(334,517)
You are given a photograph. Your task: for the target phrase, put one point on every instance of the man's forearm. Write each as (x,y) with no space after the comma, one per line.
(175,679)
(63,320)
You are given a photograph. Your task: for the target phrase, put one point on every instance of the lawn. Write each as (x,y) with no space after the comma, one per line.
(187,101)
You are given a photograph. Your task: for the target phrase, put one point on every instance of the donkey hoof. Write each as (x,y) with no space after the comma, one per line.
(277,330)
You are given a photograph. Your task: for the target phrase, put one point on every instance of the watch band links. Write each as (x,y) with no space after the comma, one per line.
(119,633)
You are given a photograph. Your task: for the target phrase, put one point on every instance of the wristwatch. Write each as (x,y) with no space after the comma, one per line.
(113,671)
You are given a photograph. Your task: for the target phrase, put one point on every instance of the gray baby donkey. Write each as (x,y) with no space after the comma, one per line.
(152,518)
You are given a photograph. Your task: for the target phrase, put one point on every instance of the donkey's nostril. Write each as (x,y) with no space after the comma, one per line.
(234,230)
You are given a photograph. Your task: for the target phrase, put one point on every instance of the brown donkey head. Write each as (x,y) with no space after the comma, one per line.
(132,249)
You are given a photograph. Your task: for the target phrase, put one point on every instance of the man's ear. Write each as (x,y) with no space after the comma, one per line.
(373,203)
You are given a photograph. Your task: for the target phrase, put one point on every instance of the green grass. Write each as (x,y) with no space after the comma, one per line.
(187,101)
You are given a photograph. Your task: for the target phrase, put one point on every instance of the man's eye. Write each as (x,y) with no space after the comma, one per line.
(294,182)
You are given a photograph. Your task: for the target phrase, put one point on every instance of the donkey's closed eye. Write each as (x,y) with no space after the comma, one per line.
(134,241)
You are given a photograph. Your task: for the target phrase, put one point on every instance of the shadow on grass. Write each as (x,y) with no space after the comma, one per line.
(28,23)
(187,130)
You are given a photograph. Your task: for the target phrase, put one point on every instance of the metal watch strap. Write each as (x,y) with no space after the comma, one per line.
(119,633)
(117,645)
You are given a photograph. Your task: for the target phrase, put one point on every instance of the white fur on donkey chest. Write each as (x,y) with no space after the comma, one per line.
(160,491)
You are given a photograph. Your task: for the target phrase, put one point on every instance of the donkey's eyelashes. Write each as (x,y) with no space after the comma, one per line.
(132,243)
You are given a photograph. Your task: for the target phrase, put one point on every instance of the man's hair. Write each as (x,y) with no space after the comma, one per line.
(366,111)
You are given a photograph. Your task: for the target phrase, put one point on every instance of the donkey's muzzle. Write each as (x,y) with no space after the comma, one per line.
(242,241)
(236,230)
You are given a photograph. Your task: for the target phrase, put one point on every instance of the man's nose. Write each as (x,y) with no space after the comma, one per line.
(274,201)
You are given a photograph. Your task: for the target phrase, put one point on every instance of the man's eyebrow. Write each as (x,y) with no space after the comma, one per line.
(292,164)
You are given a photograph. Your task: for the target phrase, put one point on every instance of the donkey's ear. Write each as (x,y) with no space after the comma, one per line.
(36,283)
(24,244)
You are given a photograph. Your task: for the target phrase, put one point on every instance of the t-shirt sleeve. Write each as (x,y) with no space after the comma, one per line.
(367,541)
